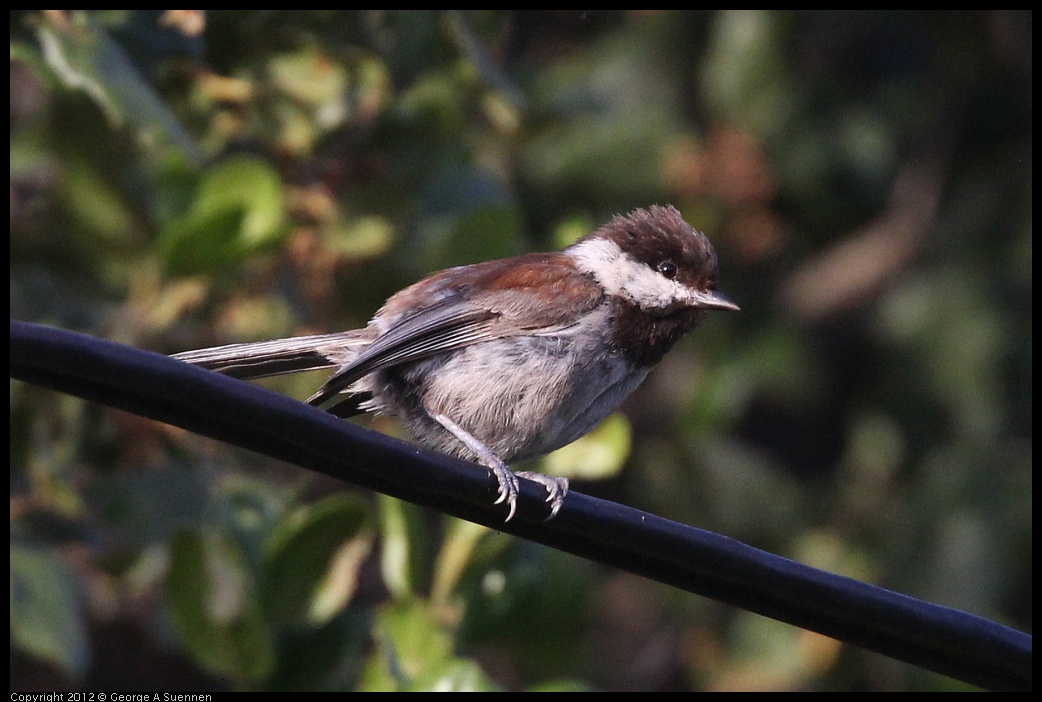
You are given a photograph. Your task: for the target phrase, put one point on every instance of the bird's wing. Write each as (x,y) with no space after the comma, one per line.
(447,325)
(459,318)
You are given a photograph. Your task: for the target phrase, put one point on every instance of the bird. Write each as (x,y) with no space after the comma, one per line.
(506,360)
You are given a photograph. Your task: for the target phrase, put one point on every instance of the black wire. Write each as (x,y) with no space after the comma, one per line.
(961,645)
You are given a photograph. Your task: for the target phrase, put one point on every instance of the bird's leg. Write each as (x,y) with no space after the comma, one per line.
(508,486)
(556,488)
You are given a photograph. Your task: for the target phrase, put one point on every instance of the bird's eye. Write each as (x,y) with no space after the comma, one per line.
(668,269)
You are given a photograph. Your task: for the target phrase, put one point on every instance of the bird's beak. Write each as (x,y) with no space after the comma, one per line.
(713,300)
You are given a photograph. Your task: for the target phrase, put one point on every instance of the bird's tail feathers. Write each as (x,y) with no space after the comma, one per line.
(264,358)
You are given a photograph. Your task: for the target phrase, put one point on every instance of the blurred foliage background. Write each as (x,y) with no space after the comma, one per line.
(182,179)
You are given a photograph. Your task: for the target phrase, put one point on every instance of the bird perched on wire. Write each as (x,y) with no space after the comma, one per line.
(506,360)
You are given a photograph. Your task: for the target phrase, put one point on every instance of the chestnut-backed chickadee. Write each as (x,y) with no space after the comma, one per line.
(507,360)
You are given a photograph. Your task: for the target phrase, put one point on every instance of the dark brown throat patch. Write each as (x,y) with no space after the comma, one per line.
(643,339)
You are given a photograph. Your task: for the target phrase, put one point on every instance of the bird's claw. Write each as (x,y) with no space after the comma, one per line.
(508,488)
(556,489)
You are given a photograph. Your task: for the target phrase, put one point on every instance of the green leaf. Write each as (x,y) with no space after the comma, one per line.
(84,58)
(237,212)
(410,644)
(597,455)
(215,609)
(414,652)
(47,617)
(461,538)
(312,559)
(404,541)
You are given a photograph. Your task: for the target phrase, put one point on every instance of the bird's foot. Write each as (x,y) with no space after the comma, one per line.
(556,489)
(508,486)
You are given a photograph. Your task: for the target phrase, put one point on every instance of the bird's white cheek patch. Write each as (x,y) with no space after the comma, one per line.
(600,258)
(623,276)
